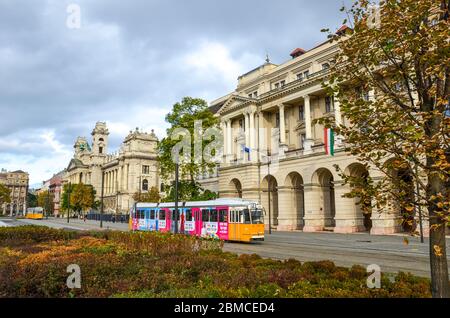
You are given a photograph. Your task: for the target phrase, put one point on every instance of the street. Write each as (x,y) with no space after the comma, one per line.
(391,253)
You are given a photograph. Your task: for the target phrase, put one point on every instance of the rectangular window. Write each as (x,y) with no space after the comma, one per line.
(223,216)
(241,124)
(162,215)
(328,104)
(205,215)
(146,169)
(214,216)
(189,216)
(152,214)
(246,215)
(277,85)
(282,83)
(300,76)
(301,112)
(306,74)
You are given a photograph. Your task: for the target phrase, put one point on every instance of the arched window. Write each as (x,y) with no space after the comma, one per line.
(145,185)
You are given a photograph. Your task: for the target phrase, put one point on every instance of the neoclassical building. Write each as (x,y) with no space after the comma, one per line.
(17,182)
(132,169)
(273,149)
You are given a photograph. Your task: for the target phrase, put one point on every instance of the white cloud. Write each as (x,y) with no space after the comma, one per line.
(213,60)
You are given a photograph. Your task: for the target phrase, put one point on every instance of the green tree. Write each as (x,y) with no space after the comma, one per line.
(45,200)
(5,195)
(183,116)
(404,129)
(151,196)
(31,200)
(189,191)
(82,197)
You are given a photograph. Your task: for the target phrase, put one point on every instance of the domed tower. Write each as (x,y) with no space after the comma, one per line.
(100,139)
(81,147)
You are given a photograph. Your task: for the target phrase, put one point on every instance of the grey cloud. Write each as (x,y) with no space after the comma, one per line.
(128,59)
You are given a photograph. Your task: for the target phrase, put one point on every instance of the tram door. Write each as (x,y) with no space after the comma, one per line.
(234,225)
(197,213)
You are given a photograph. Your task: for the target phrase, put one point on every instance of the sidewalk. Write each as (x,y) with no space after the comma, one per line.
(76,224)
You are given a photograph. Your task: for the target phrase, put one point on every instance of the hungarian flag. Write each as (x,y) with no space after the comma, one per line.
(329,141)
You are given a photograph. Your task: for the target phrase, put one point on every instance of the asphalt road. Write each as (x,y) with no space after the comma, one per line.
(389,252)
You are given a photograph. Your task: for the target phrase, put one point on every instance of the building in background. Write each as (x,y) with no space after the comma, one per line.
(53,187)
(134,168)
(275,152)
(17,182)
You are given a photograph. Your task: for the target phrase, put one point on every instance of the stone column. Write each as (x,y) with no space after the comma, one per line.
(349,218)
(287,214)
(308,127)
(247,129)
(261,133)
(282,125)
(314,208)
(252,130)
(109,182)
(337,111)
(223,126)
(230,140)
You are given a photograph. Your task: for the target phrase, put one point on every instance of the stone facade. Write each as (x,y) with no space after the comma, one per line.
(132,169)
(285,166)
(17,182)
(54,187)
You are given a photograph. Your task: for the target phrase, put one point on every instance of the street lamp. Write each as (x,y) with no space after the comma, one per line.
(177,166)
(101,199)
(68,201)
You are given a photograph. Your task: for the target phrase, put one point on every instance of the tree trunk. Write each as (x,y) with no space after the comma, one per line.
(440,286)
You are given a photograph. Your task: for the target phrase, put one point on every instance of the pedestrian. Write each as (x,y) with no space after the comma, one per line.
(113,219)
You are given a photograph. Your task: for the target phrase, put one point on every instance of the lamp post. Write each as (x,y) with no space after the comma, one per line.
(176,196)
(101,199)
(68,201)
(268,192)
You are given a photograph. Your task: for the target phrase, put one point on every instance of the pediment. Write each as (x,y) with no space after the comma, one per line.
(75,164)
(235,102)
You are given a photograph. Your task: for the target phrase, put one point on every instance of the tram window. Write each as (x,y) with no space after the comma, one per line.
(189,215)
(177,214)
(205,215)
(152,214)
(162,215)
(141,214)
(257,217)
(246,215)
(223,216)
(214,216)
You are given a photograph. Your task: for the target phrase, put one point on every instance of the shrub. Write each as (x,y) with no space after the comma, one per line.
(33,263)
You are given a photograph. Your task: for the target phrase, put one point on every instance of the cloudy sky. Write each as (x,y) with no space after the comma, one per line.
(128,63)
